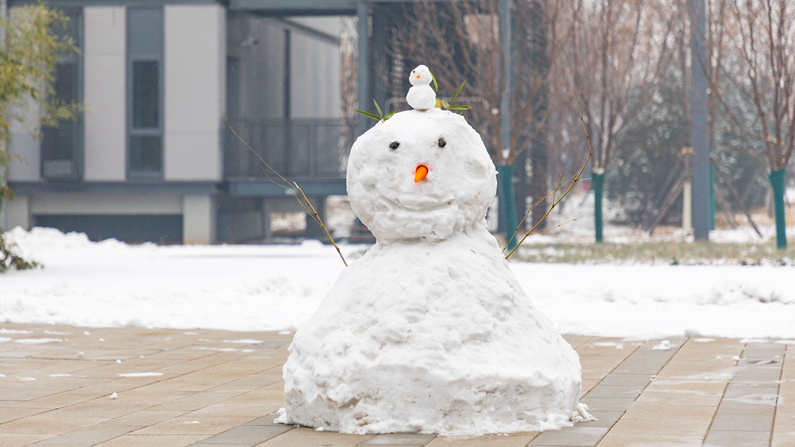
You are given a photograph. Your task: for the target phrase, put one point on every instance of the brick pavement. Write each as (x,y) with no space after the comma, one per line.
(220,388)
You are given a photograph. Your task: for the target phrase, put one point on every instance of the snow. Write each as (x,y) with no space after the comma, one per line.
(277,288)
(37,341)
(456,193)
(430,331)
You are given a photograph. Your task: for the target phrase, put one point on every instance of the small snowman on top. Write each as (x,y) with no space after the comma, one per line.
(421,96)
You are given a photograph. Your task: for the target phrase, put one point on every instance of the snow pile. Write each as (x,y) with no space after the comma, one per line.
(110,283)
(274,288)
(430,331)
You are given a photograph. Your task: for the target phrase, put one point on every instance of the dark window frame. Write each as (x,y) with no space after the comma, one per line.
(137,55)
(76,19)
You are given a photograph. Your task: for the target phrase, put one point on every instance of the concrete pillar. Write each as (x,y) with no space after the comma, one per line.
(313,230)
(198,219)
(267,208)
(105,79)
(195,83)
(687,207)
(18,213)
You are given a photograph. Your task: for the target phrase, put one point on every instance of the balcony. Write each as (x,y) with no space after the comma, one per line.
(299,149)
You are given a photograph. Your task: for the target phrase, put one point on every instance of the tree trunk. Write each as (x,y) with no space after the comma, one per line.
(508,203)
(777,179)
(539,160)
(598,184)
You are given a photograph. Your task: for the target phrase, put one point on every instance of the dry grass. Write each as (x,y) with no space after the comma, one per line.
(660,253)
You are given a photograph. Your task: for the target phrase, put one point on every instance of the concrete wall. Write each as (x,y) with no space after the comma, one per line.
(28,167)
(195,61)
(315,68)
(104,90)
(198,219)
(18,213)
(126,204)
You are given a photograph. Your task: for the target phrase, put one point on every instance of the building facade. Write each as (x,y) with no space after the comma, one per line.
(151,158)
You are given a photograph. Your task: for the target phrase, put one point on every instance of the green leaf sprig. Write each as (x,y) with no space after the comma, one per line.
(380,116)
(435,85)
(451,105)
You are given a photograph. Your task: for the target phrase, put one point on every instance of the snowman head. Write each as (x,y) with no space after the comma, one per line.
(420,76)
(424,176)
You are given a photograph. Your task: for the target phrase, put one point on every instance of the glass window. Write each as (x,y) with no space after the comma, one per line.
(61,145)
(145,92)
(145,154)
(146,82)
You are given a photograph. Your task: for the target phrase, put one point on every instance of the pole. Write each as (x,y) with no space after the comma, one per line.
(363,68)
(4,174)
(698,122)
(687,194)
(506,172)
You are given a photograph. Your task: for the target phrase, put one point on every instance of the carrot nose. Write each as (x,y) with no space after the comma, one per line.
(418,76)
(420,173)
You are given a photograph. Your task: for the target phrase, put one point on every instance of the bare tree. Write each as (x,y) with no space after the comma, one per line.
(616,58)
(463,41)
(763,72)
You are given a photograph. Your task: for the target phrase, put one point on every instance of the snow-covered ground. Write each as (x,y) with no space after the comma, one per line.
(261,287)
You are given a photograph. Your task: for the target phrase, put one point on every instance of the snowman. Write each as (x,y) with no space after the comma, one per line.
(430,331)
(421,96)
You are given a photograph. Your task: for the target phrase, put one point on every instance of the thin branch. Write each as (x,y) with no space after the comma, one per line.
(291,186)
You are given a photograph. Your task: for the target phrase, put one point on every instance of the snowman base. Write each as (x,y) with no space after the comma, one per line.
(445,341)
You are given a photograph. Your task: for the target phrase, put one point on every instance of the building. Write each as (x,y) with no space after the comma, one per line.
(151,158)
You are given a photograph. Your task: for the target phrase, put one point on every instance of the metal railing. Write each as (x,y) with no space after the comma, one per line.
(299,148)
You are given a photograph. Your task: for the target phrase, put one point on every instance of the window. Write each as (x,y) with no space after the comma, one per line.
(62,146)
(145,93)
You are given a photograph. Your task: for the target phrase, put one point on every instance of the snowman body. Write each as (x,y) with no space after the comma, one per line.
(428,332)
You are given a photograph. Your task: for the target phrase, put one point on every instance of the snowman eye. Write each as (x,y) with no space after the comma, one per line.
(394,145)
(441,142)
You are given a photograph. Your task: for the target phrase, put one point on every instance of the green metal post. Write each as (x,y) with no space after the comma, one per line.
(508,203)
(598,185)
(777,178)
(711,197)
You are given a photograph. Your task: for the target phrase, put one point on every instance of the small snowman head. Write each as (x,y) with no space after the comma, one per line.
(420,76)
(420,176)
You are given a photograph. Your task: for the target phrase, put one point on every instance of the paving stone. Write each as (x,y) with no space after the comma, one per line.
(641,440)
(269,344)
(404,439)
(247,434)
(608,391)
(739,390)
(610,404)
(575,436)
(8,414)
(145,418)
(604,419)
(745,422)
(42,424)
(21,440)
(627,379)
(267,420)
(736,438)
(188,425)
(154,440)
(308,437)
(731,406)
(756,374)
(87,436)
(236,393)
(499,440)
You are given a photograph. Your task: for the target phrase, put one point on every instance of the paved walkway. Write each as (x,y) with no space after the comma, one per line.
(68,386)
